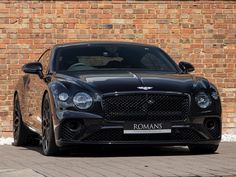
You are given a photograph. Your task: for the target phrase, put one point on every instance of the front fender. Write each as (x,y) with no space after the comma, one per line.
(54,88)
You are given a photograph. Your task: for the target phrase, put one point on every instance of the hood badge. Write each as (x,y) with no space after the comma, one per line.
(144,88)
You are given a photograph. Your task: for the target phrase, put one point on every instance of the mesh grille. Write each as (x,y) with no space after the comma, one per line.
(136,107)
(215,133)
(66,133)
(183,134)
(186,134)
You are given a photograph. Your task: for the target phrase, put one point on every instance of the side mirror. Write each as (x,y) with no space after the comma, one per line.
(186,67)
(33,68)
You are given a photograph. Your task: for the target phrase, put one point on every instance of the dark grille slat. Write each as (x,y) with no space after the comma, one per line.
(141,107)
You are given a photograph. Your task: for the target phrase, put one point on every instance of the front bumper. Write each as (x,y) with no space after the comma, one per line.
(74,128)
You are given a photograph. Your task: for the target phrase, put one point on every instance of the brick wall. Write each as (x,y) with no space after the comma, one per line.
(201,32)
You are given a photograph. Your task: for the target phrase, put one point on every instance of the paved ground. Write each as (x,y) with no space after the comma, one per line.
(116,162)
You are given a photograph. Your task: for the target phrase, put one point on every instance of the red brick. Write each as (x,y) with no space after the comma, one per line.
(201,32)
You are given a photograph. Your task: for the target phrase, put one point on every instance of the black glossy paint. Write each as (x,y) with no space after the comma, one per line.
(33,85)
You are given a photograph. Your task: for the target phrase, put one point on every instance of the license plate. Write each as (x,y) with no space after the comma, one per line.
(146,128)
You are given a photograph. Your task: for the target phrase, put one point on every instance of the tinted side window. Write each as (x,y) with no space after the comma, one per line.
(44,60)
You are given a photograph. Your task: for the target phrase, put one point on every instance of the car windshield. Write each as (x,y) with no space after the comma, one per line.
(112,57)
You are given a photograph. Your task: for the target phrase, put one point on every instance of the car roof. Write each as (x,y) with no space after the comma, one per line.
(101,42)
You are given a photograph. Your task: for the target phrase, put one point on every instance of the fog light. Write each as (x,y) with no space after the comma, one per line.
(210,124)
(74,126)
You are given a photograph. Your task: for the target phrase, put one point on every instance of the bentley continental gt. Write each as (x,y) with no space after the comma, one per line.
(114,93)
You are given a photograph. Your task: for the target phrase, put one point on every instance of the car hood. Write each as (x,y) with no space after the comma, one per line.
(122,81)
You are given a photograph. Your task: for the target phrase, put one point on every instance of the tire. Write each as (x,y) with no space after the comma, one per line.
(203,149)
(21,134)
(49,147)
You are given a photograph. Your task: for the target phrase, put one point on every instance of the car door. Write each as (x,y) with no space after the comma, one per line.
(34,89)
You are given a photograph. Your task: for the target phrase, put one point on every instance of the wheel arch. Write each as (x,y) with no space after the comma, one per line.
(16,94)
(43,97)
(13,101)
(52,104)
(44,94)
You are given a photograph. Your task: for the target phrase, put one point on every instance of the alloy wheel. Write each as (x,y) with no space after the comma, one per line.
(46,125)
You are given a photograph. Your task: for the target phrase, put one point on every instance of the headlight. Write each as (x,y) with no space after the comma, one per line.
(215,95)
(63,96)
(203,100)
(83,100)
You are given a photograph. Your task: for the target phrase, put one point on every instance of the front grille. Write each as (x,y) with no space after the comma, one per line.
(181,134)
(141,107)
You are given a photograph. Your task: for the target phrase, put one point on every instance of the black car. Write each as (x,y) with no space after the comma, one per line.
(114,93)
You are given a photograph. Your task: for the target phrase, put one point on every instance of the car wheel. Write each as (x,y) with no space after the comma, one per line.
(21,134)
(203,149)
(48,139)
